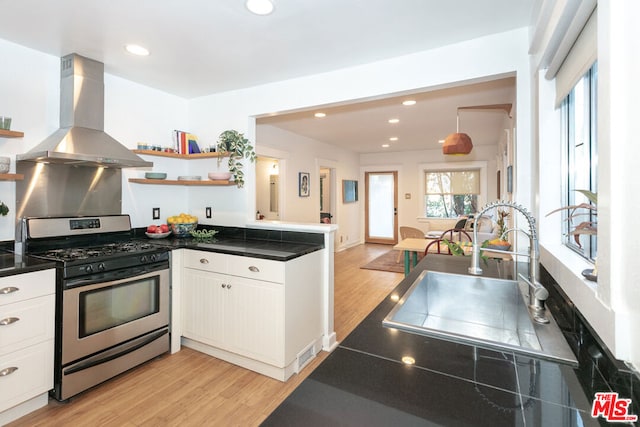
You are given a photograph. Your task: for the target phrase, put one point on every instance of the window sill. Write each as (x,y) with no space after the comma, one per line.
(567,263)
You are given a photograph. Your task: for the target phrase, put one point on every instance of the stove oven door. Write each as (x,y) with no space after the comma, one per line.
(99,316)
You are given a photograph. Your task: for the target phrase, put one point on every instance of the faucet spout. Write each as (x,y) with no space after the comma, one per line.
(533,250)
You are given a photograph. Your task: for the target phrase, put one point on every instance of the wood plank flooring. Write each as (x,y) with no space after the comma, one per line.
(192,389)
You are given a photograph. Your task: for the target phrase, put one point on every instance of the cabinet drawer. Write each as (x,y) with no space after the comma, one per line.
(33,376)
(24,286)
(208,261)
(26,323)
(256,268)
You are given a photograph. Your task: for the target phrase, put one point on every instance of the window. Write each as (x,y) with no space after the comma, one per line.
(579,130)
(451,193)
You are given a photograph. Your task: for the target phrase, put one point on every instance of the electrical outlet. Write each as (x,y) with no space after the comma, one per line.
(207,211)
(156,213)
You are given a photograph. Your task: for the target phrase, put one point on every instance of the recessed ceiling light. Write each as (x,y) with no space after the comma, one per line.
(260,7)
(409,102)
(385,145)
(135,49)
(441,141)
(394,121)
(393,138)
(320,115)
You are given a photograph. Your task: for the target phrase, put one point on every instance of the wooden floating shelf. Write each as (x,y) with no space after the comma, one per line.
(10,134)
(181,156)
(180,182)
(11,177)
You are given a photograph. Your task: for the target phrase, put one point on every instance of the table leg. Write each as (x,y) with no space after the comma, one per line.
(415,258)
(407,267)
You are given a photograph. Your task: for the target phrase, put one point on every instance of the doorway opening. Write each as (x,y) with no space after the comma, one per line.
(267,188)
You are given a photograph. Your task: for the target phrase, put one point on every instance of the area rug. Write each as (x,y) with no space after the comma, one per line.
(387,262)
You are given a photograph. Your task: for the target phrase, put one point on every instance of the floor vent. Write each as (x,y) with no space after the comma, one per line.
(304,357)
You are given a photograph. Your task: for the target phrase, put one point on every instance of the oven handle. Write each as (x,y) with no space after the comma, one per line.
(114,275)
(100,360)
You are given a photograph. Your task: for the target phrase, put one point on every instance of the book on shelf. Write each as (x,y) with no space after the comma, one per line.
(185,142)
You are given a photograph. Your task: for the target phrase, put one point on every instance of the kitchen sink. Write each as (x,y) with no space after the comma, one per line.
(480,311)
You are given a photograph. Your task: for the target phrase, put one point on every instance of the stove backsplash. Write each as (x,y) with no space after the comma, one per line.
(67,190)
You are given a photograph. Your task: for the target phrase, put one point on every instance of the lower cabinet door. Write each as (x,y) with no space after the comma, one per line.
(25,374)
(255,320)
(203,312)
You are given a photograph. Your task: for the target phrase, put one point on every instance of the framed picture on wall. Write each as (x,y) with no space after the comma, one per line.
(349,191)
(303,184)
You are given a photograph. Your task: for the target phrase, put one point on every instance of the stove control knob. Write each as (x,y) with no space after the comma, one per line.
(153,257)
(143,258)
(89,268)
(101,266)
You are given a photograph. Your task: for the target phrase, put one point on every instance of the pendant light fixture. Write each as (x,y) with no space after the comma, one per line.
(457,143)
(460,143)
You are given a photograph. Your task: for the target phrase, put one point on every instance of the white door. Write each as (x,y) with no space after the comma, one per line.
(381,207)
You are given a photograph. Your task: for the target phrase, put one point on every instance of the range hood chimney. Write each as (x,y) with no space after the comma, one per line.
(81,138)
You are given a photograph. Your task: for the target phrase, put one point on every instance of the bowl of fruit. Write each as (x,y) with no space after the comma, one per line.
(182,225)
(158,231)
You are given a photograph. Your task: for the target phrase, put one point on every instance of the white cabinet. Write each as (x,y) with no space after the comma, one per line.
(261,314)
(27,312)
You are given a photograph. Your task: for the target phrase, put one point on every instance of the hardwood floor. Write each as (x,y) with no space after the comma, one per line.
(192,389)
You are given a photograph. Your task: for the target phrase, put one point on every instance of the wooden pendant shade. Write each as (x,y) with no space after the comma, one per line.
(457,143)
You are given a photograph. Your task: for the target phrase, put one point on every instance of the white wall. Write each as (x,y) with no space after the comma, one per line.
(303,154)
(29,93)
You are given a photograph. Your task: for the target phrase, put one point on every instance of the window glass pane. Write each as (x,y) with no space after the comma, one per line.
(580,114)
(381,205)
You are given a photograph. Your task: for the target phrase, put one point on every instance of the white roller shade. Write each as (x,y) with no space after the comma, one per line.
(453,182)
(581,57)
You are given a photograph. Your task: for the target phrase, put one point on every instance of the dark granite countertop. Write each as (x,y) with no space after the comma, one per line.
(365,382)
(256,243)
(11,264)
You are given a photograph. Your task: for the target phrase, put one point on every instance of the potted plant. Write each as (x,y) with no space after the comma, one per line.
(501,241)
(4,209)
(584,227)
(238,147)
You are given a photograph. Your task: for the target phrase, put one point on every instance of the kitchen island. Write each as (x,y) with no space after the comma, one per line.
(365,382)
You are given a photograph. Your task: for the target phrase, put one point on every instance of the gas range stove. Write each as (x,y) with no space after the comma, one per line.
(89,245)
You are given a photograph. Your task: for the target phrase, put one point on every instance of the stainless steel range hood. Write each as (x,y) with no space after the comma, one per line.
(81,138)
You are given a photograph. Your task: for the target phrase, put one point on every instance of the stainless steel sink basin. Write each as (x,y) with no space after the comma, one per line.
(480,311)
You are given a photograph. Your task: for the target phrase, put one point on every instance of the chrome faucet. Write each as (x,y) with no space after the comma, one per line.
(537,293)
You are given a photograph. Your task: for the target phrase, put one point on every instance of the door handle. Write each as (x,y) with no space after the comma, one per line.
(395,211)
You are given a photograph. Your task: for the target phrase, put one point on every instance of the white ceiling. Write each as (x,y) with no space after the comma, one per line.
(200,47)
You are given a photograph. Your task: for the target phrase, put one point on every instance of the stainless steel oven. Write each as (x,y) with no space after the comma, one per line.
(112,298)
(111,324)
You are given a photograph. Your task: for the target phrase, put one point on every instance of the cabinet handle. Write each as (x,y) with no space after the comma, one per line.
(9,290)
(8,320)
(204,261)
(254,269)
(8,371)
